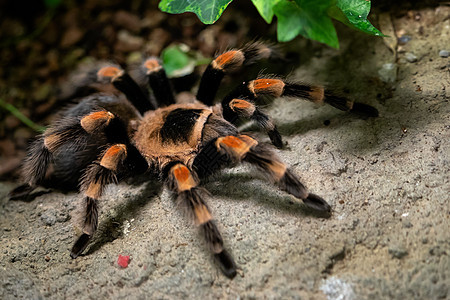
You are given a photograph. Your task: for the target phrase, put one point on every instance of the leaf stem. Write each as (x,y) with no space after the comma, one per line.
(15,112)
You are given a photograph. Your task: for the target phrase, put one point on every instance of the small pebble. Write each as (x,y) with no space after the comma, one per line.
(49,217)
(406,223)
(444,53)
(128,21)
(410,57)
(127,42)
(404,39)
(397,251)
(72,36)
(388,73)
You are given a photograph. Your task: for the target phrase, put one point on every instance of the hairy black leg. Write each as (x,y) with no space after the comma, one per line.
(184,183)
(237,108)
(105,123)
(120,156)
(226,63)
(124,83)
(274,87)
(90,226)
(158,81)
(209,161)
(33,170)
(41,153)
(97,176)
(245,148)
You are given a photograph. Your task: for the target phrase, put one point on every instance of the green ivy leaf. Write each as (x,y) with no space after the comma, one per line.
(208,11)
(310,18)
(265,8)
(176,61)
(289,20)
(354,14)
(305,17)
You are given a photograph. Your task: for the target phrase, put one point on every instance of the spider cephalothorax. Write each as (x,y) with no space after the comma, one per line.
(107,137)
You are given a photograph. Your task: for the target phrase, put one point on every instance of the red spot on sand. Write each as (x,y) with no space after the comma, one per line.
(123,261)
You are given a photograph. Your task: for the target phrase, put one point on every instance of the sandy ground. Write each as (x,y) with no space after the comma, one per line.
(387,180)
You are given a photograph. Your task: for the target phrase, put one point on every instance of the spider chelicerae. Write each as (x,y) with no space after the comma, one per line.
(110,136)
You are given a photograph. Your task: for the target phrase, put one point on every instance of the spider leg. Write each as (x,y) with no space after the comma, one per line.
(184,183)
(97,176)
(41,154)
(120,154)
(237,108)
(226,63)
(115,131)
(247,149)
(274,87)
(35,168)
(158,81)
(124,83)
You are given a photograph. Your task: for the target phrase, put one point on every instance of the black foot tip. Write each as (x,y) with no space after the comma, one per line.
(276,139)
(227,264)
(317,203)
(364,110)
(80,245)
(22,191)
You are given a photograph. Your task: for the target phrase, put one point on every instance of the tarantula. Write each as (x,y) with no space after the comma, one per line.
(107,137)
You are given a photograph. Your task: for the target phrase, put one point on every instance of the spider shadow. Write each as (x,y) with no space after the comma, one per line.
(108,229)
(31,196)
(305,124)
(327,118)
(269,197)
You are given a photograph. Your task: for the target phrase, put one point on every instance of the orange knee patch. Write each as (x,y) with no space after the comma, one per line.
(233,142)
(317,94)
(273,87)
(109,72)
(202,214)
(113,156)
(53,141)
(185,180)
(229,60)
(152,65)
(96,120)
(242,106)
(94,190)
(237,147)
(277,169)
